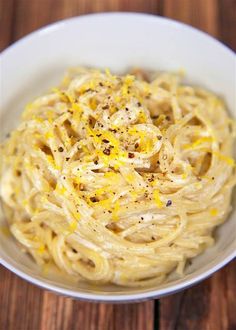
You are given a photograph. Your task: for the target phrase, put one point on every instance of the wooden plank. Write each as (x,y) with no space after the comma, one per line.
(25,306)
(33,14)
(202,14)
(227,19)
(20,304)
(209,305)
(64,313)
(6,19)
(134,316)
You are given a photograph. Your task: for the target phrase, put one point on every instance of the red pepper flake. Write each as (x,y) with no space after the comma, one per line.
(107,151)
(136,145)
(67,158)
(131,155)
(105,141)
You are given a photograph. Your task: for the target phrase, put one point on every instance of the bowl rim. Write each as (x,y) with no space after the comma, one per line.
(117,298)
(58,24)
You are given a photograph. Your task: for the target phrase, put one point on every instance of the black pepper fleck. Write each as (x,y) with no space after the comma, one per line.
(107,151)
(93,199)
(131,155)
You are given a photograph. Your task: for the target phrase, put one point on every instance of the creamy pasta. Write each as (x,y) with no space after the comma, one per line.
(119,179)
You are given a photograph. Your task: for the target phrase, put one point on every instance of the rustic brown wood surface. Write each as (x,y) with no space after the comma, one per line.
(210,305)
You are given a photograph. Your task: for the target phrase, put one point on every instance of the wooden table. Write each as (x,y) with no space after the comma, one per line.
(210,305)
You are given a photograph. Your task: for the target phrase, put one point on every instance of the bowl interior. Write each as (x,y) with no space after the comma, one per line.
(116,41)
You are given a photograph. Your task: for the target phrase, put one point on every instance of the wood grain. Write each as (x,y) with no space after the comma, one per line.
(6,23)
(24,306)
(202,14)
(210,305)
(33,14)
(227,22)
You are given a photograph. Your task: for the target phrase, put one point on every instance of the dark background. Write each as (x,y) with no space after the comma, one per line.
(210,305)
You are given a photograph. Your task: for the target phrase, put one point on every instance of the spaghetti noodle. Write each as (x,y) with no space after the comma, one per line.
(119,179)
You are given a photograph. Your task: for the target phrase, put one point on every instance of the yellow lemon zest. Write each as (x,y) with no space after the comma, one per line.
(214,212)
(41,249)
(72,226)
(60,189)
(116,208)
(159,120)
(184,175)
(200,141)
(156,196)
(51,160)
(49,135)
(142,117)
(93,103)
(65,97)
(230,161)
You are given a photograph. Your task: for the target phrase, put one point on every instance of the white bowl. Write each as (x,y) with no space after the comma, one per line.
(118,41)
